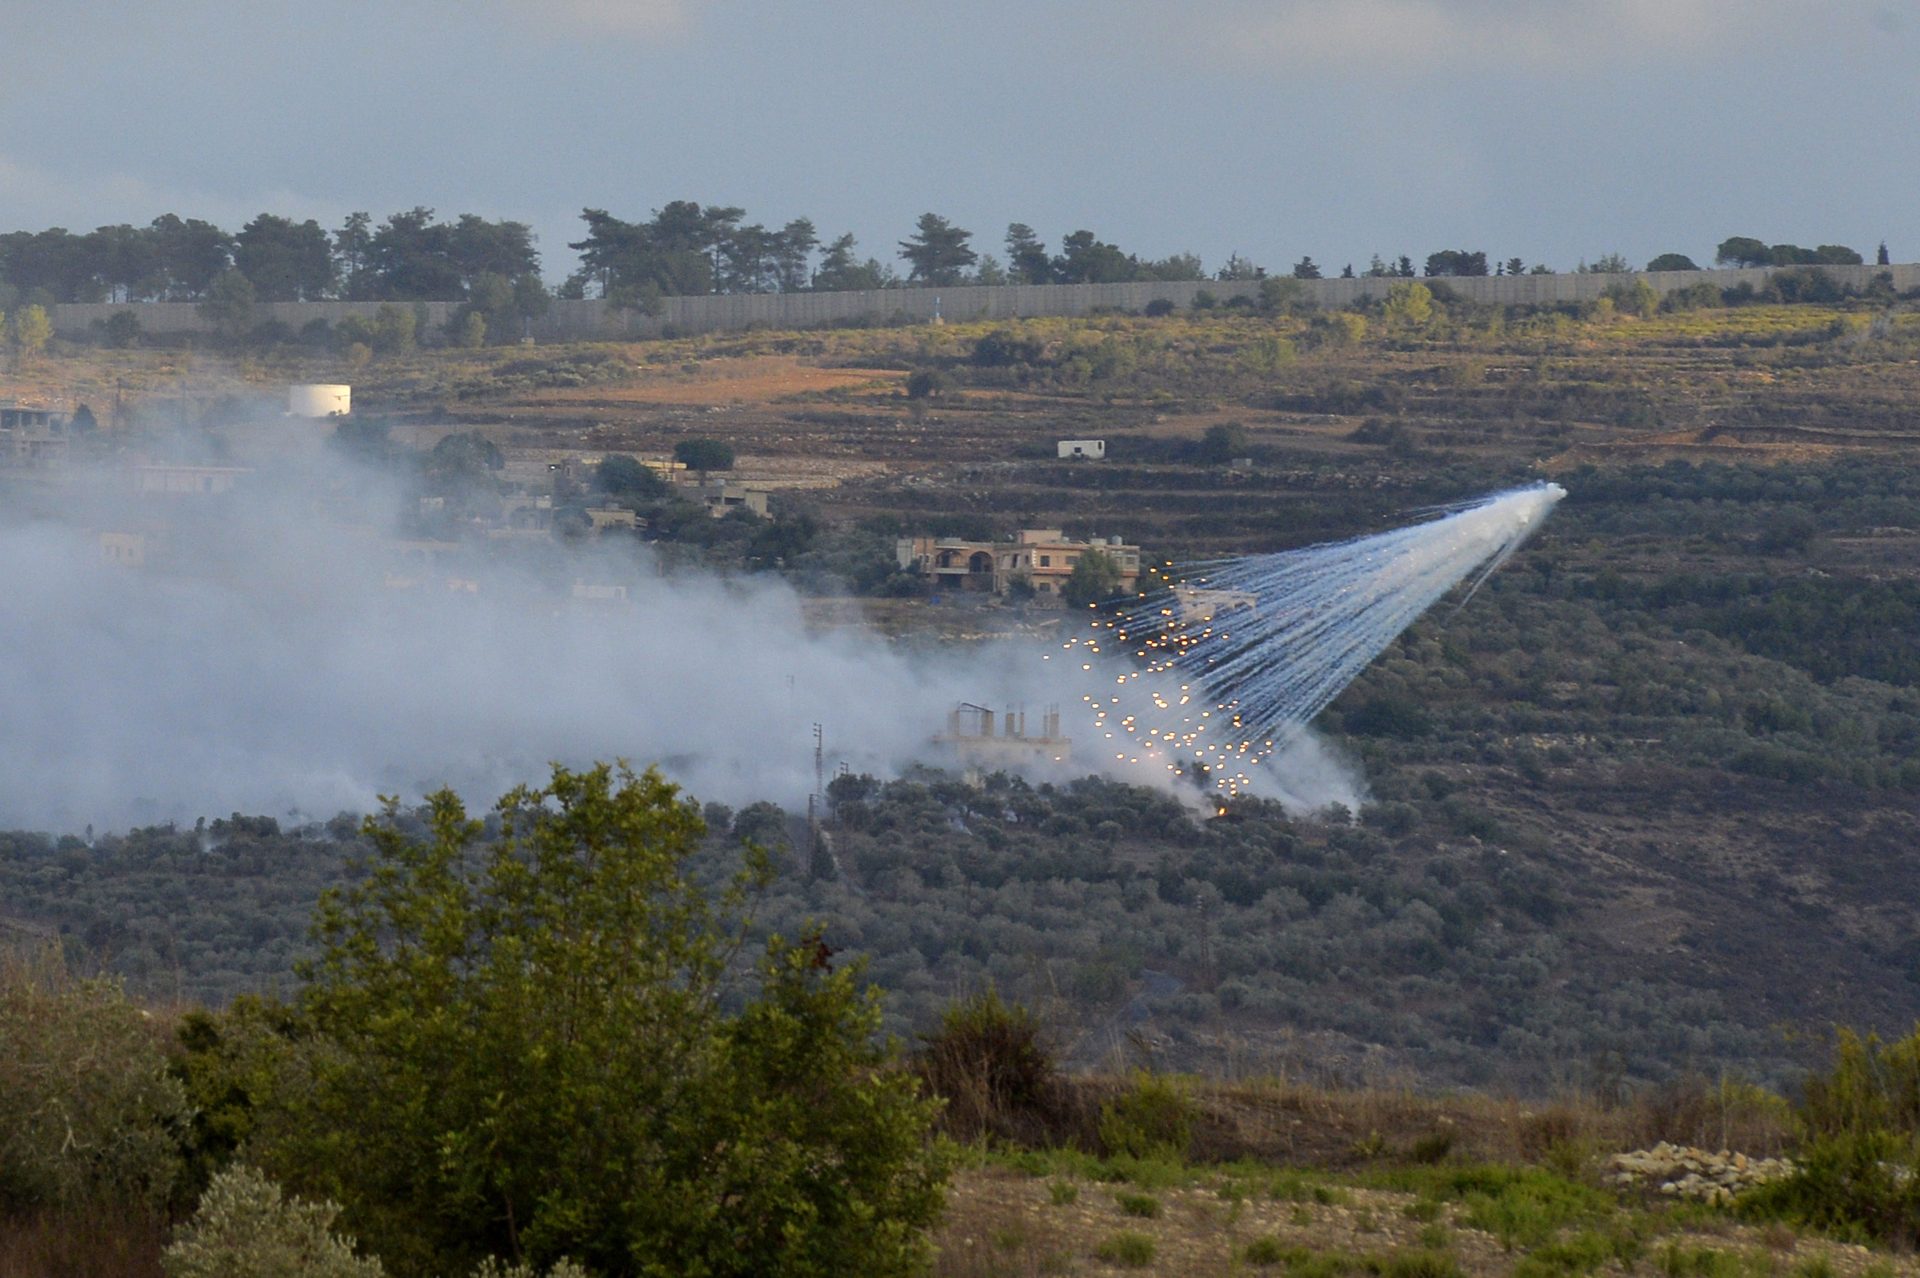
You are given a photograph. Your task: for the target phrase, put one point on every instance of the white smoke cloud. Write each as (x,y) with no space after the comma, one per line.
(1309,774)
(265,660)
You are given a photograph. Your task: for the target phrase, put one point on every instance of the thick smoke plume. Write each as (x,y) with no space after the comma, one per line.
(264,660)
(277,649)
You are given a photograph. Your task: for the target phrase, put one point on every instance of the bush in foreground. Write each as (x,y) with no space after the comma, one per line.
(88,1111)
(990,1065)
(245,1227)
(541,1047)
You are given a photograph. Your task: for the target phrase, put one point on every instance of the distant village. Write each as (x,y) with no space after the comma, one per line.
(543,495)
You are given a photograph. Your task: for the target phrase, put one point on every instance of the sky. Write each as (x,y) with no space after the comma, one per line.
(1551,130)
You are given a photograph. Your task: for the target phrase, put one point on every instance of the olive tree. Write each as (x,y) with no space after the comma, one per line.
(88,1110)
(542,1045)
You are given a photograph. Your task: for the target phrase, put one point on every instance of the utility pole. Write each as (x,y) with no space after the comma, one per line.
(815,801)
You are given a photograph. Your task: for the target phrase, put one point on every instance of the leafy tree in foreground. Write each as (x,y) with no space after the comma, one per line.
(540,1048)
(87,1107)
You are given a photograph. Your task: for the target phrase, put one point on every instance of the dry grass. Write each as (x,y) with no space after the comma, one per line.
(1001,1222)
(698,383)
(1302,1125)
(100,1242)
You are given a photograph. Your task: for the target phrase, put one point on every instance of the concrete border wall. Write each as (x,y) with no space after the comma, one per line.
(595,320)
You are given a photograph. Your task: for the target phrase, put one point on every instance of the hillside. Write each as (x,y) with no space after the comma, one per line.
(1646,805)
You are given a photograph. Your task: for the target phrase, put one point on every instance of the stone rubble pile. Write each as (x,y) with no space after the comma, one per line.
(1687,1172)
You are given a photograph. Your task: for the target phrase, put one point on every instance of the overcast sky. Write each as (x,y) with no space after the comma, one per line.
(1553,130)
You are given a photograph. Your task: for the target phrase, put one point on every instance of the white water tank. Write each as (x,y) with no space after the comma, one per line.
(319,399)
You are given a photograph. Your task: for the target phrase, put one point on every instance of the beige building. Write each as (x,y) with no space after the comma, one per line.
(1043,558)
(32,437)
(605,517)
(722,497)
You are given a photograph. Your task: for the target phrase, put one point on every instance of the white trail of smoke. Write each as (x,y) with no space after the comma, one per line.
(1258,646)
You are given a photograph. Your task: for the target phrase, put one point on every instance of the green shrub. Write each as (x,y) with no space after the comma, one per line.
(1126,1250)
(1063,1193)
(527,1052)
(1677,1261)
(1858,1173)
(1153,1118)
(1870,1087)
(988,1063)
(1860,1185)
(1266,1250)
(927,383)
(1320,1264)
(1522,1207)
(1144,1206)
(1581,1253)
(245,1227)
(1421,1264)
(88,1111)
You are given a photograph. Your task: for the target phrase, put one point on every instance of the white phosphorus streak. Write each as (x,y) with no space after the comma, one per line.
(1235,660)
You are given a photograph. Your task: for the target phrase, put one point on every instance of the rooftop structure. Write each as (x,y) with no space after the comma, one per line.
(979,738)
(605,517)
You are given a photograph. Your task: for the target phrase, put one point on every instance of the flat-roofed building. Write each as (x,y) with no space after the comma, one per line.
(32,437)
(722,498)
(1041,558)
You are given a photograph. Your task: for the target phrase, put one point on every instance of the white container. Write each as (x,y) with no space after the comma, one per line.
(319,399)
